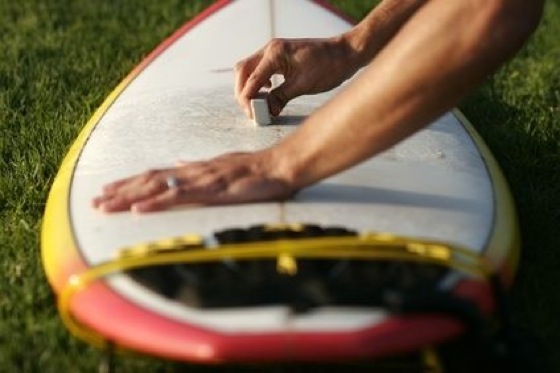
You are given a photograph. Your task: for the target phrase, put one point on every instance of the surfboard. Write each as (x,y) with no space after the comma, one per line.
(331,274)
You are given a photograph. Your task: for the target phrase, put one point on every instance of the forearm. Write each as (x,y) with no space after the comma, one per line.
(444,51)
(369,36)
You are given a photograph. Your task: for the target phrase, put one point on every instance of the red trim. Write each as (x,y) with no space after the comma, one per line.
(202,16)
(133,326)
(480,293)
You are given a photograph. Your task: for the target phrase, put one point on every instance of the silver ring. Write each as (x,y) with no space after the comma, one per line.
(171,182)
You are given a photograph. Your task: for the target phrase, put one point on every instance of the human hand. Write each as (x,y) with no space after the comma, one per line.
(308,65)
(228,179)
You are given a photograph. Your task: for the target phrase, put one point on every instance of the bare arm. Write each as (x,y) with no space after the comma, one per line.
(444,50)
(369,36)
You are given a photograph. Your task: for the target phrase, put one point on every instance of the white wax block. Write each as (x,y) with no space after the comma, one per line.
(261,116)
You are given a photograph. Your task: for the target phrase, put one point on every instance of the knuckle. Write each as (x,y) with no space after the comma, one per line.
(239,66)
(119,200)
(148,175)
(217,183)
(253,81)
(176,193)
(280,51)
(277,45)
(153,185)
(204,166)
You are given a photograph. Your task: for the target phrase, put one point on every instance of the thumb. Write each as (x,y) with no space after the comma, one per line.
(279,97)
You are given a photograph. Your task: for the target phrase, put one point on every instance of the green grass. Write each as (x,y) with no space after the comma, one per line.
(59,60)
(518,114)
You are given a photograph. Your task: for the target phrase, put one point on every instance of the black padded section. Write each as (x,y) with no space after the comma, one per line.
(321,282)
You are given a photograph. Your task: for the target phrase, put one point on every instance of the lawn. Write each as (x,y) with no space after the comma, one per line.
(61,58)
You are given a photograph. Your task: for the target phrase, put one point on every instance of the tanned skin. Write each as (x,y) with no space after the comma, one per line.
(419,59)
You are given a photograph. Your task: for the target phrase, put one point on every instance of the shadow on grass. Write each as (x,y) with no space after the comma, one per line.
(524,140)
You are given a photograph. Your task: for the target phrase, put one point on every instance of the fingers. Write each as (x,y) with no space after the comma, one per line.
(259,78)
(279,97)
(201,195)
(121,195)
(158,202)
(195,182)
(256,72)
(230,178)
(162,201)
(243,71)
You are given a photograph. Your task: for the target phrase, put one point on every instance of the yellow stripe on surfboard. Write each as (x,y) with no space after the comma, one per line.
(365,247)
(56,231)
(504,243)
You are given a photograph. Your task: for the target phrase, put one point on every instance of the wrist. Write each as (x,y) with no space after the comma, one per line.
(355,46)
(282,164)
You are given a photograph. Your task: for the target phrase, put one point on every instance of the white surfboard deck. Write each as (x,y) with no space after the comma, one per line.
(181,107)
(434,185)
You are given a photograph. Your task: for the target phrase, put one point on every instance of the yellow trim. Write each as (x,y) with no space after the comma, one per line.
(502,249)
(286,264)
(432,362)
(365,247)
(57,237)
(503,245)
